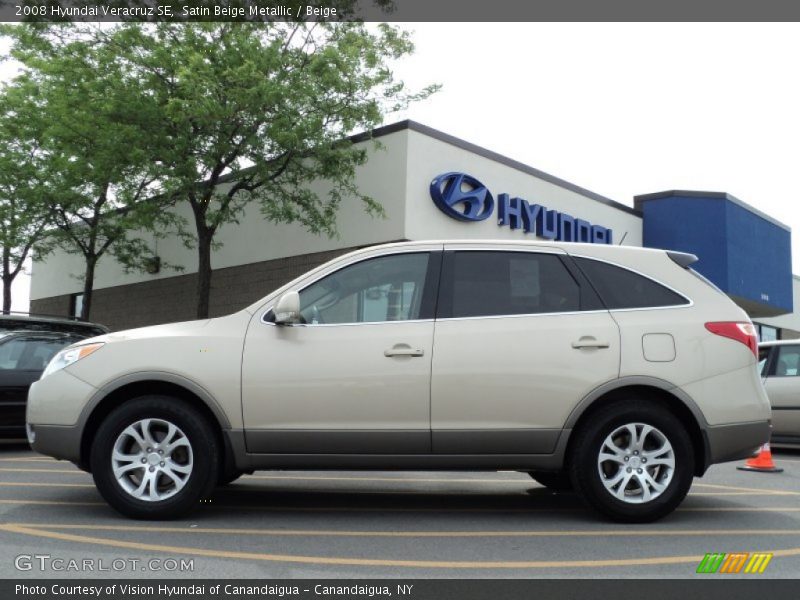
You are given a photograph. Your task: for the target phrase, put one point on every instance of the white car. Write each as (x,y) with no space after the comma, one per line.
(617,371)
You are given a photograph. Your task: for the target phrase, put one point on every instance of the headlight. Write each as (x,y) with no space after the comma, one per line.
(66,357)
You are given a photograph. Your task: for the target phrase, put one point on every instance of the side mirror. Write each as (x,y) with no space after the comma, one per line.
(287,309)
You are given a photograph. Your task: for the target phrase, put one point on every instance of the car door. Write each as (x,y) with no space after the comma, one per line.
(519,342)
(783,388)
(354,377)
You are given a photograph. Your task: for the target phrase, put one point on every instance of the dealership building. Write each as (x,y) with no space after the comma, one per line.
(434,186)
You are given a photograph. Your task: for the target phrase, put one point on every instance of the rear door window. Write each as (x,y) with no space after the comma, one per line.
(621,288)
(496,283)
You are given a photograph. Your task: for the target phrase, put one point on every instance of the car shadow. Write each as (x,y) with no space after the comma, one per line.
(15,445)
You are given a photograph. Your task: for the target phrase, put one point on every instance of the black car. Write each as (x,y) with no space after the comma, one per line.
(27,343)
(15,321)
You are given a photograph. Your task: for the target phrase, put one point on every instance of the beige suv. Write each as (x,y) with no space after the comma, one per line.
(617,371)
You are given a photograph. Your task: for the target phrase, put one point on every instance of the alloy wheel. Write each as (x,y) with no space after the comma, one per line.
(152,459)
(636,463)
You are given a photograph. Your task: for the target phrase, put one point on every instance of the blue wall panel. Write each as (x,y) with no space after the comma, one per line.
(743,253)
(690,225)
(761,253)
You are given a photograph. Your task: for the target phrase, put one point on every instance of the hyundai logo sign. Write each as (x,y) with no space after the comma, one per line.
(463,197)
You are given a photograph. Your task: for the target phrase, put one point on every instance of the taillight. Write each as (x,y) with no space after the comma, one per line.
(741,332)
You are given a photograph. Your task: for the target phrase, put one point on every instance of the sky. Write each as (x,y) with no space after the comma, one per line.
(619,109)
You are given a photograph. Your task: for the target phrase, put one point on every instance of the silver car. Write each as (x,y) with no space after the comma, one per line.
(617,371)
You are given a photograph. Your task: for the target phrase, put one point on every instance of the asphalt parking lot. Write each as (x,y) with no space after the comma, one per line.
(388,524)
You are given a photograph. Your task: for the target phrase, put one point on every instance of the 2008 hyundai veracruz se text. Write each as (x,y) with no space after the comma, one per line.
(617,371)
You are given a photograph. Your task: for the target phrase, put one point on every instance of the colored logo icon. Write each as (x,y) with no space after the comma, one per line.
(734,562)
(462,197)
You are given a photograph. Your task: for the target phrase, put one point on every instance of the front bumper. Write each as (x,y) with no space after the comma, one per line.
(736,441)
(55,417)
(59,441)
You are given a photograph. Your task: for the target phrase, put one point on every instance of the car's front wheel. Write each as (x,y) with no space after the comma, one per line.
(155,457)
(633,462)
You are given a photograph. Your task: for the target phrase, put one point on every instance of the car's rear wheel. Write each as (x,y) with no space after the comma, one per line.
(556,481)
(633,461)
(155,457)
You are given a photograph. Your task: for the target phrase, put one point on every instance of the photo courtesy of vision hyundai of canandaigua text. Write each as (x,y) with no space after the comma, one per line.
(617,372)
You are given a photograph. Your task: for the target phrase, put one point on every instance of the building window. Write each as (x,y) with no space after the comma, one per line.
(767,333)
(76,305)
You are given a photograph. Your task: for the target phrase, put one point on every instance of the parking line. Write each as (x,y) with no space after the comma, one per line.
(739,491)
(267,508)
(747,489)
(52,502)
(367,509)
(255,490)
(413,534)
(755,491)
(354,561)
(70,471)
(38,484)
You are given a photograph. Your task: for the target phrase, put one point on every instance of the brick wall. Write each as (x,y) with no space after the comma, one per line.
(173,299)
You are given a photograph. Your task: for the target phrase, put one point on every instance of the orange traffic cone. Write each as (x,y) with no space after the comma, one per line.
(761,462)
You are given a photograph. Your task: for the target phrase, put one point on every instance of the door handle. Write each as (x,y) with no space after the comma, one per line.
(403,350)
(589,342)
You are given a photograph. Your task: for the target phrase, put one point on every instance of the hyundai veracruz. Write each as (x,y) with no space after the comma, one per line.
(617,371)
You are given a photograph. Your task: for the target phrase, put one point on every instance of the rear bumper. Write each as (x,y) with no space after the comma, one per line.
(735,442)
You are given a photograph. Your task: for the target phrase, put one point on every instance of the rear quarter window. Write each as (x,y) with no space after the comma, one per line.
(621,288)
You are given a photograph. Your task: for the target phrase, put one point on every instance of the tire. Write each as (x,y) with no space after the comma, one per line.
(556,481)
(184,471)
(604,480)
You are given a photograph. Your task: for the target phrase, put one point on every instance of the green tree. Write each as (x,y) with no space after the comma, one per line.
(25,192)
(94,145)
(267,108)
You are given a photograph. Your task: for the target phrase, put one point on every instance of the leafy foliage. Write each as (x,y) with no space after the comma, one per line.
(91,150)
(218,115)
(25,192)
(256,112)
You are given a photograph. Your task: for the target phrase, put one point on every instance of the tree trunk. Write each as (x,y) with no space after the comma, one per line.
(7,281)
(204,238)
(7,295)
(88,287)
